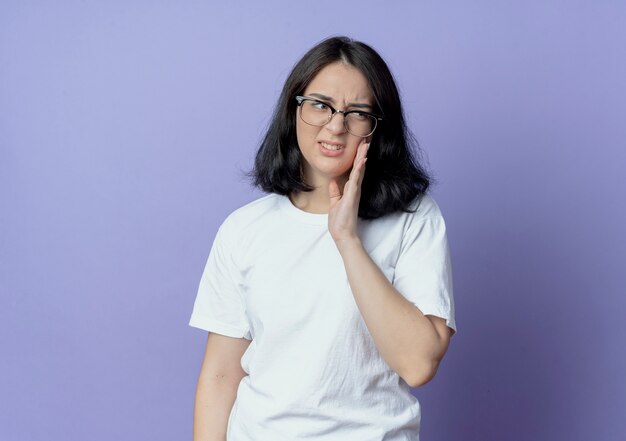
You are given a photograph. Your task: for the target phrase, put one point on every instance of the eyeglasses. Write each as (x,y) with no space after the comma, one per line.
(318,113)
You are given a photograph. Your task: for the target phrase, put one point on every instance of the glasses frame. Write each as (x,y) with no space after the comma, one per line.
(301,99)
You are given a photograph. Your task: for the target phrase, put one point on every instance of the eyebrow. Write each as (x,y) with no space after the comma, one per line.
(327,98)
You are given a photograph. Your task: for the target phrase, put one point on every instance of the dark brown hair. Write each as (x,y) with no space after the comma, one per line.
(394,178)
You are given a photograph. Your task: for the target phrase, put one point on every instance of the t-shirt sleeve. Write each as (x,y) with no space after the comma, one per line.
(423,272)
(219,305)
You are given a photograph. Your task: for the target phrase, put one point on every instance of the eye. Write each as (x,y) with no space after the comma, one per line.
(358,116)
(319,105)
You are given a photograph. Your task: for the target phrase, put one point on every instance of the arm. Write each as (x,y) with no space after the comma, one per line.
(218,381)
(412,343)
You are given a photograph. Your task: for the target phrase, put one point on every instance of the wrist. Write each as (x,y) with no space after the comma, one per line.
(349,245)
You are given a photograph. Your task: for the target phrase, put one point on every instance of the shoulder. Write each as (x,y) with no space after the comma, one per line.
(426,219)
(250,214)
(422,218)
(421,210)
(425,207)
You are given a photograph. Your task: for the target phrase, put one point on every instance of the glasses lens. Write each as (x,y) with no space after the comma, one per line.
(360,124)
(315,113)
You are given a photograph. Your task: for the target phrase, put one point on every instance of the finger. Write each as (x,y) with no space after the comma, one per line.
(353,186)
(363,148)
(362,171)
(356,174)
(358,158)
(359,161)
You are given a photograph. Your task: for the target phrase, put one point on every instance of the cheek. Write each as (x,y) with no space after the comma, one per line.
(353,150)
(305,134)
(348,161)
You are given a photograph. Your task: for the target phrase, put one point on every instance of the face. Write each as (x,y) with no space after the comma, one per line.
(344,88)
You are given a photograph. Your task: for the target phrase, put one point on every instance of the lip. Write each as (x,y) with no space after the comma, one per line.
(327,152)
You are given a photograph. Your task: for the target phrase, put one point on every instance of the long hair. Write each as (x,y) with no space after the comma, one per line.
(394,178)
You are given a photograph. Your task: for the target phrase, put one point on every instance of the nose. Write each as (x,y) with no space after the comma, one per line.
(337,123)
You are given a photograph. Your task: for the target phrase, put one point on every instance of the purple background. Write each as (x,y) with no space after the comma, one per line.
(124,129)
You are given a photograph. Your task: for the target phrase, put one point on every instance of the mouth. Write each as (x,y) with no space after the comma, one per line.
(332,147)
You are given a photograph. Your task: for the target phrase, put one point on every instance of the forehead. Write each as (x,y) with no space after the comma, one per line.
(342,82)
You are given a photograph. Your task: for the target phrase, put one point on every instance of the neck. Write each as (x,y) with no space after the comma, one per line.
(316,201)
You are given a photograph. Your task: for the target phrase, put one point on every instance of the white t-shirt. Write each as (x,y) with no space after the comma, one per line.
(275,276)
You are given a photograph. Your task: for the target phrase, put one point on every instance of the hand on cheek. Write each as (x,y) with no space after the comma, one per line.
(344,206)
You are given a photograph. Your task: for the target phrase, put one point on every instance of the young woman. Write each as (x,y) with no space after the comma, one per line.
(328,298)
